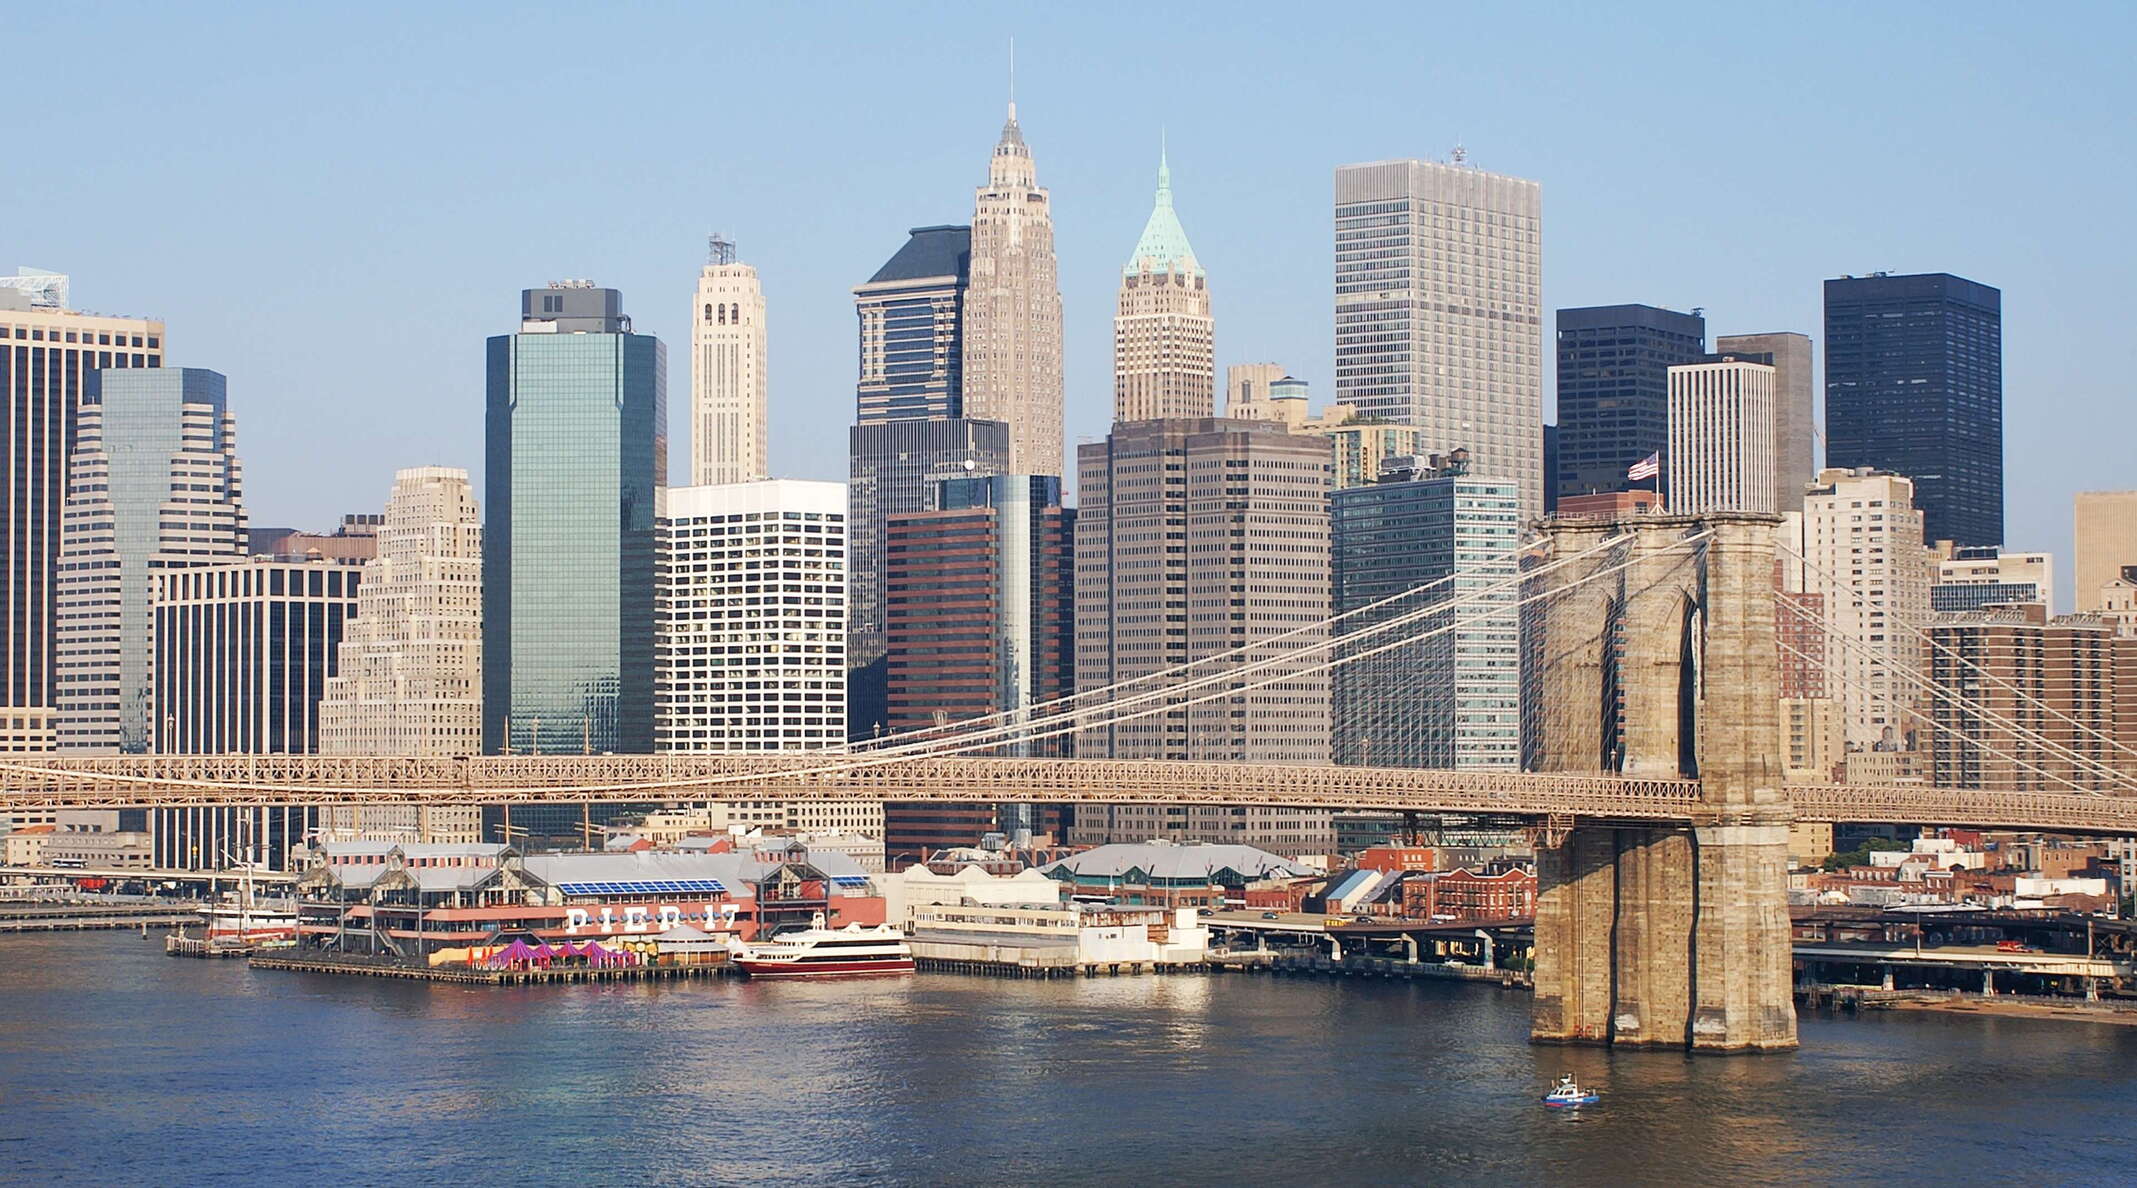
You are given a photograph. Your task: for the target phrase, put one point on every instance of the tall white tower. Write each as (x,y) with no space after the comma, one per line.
(1439,310)
(729,404)
(1013,309)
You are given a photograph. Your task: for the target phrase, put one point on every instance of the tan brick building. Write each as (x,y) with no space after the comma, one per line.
(2022,676)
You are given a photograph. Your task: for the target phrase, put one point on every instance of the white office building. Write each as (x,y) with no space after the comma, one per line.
(750,638)
(1721,437)
(1439,310)
(1860,538)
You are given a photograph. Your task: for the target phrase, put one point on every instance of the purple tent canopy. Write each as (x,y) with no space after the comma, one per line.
(518,950)
(597,955)
(567,949)
(544,951)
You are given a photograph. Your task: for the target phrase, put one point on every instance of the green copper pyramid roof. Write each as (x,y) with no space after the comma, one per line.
(1164,242)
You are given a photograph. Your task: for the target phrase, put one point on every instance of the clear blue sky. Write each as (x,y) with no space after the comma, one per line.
(335,205)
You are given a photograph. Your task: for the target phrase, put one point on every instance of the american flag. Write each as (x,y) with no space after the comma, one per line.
(1647,467)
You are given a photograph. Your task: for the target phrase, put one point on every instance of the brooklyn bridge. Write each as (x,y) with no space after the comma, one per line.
(1652,774)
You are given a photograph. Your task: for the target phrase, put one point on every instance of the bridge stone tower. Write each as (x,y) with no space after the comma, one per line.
(1666,936)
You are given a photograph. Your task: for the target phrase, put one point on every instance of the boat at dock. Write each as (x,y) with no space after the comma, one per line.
(855,951)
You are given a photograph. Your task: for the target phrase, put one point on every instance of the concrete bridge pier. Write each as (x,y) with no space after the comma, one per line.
(1668,936)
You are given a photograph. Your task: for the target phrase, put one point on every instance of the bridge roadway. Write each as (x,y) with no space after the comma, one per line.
(43,783)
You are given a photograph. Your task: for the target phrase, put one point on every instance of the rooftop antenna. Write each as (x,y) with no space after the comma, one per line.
(1012,79)
(722,249)
(1461,155)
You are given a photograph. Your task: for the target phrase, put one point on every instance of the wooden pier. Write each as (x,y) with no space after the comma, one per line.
(79,917)
(1053,970)
(178,944)
(1373,967)
(373,967)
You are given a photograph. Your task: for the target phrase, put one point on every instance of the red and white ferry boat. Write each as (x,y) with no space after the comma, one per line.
(855,951)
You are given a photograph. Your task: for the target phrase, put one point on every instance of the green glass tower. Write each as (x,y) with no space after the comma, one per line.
(577,443)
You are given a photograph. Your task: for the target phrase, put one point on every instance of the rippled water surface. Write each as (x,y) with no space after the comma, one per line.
(119,1065)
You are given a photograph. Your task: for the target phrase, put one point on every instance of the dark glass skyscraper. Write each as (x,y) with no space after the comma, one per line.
(577,443)
(912,316)
(1914,385)
(1614,390)
(910,431)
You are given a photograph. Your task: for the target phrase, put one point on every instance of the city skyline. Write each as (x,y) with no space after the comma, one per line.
(1616,235)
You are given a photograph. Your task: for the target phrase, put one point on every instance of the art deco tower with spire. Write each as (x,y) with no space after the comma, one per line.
(1012,367)
(1164,344)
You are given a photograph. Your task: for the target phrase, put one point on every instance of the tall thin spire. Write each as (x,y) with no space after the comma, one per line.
(1163,246)
(1164,171)
(1012,80)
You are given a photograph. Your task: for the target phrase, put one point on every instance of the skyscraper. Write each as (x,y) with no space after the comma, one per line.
(1860,537)
(752,636)
(154,486)
(576,445)
(1439,309)
(1164,343)
(409,677)
(1614,390)
(1795,412)
(980,620)
(896,466)
(729,366)
(1914,386)
(1421,525)
(1721,437)
(47,353)
(912,327)
(1196,537)
(911,430)
(244,651)
(1012,370)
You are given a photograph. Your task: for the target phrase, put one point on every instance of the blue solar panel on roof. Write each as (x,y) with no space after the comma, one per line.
(653,886)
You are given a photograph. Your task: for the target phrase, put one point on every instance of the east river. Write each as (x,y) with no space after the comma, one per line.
(119,1065)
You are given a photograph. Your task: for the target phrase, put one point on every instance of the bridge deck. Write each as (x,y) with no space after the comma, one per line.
(43,783)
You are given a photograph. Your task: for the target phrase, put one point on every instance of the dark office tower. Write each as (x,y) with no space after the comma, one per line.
(1914,386)
(244,651)
(1550,470)
(911,431)
(1614,390)
(912,316)
(47,352)
(979,620)
(896,466)
(577,443)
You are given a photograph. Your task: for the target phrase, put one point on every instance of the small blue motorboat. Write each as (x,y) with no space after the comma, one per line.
(1568,1095)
